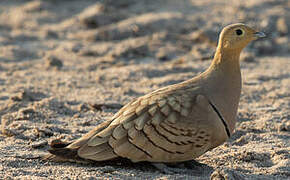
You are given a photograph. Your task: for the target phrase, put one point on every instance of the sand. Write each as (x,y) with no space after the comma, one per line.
(66,66)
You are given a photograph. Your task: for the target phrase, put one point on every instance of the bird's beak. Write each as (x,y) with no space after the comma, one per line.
(259,35)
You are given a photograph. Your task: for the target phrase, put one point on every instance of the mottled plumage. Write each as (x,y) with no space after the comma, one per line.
(176,123)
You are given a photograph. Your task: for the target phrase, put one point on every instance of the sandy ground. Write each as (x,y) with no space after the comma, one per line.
(66,66)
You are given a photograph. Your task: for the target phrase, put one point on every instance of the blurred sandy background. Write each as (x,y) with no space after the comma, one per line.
(67,65)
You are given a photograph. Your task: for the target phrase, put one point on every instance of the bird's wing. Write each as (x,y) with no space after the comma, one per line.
(158,127)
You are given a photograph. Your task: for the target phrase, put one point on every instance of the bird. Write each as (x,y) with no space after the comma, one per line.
(174,124)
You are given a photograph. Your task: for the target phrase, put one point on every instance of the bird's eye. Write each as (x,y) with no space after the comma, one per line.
(239,32)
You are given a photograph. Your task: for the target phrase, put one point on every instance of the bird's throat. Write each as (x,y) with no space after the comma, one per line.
(226,60)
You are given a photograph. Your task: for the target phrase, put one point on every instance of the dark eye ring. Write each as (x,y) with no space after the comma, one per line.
(239,32)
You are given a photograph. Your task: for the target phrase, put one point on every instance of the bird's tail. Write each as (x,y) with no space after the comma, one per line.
(68,152)
(59,152)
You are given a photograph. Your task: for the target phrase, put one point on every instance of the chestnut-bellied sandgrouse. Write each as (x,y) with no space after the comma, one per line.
(176,123)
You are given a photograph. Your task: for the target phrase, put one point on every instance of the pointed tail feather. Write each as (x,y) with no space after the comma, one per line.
(60,153)
(68,152)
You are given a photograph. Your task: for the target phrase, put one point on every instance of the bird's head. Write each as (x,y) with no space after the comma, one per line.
(236,36)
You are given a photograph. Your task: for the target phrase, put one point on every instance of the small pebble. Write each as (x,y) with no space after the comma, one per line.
(52,62)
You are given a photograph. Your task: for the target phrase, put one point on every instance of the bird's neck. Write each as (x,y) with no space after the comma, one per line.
(225,77)
(226,61)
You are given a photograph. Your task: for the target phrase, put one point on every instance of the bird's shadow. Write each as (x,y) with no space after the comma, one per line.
(189,167)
